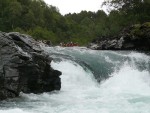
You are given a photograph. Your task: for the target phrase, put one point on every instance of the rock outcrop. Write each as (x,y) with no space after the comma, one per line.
(25,67)
(136,37)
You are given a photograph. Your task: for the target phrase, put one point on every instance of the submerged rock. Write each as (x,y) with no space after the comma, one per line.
(136,37)
(25,67)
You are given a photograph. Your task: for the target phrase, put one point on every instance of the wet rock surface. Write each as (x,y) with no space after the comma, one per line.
(136,37)
(25,67)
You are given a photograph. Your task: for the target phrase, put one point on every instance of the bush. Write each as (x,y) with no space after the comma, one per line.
(43,34)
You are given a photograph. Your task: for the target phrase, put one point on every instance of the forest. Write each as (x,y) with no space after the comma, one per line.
(44,22)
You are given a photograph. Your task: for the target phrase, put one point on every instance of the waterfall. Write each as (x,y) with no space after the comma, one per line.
(92,82)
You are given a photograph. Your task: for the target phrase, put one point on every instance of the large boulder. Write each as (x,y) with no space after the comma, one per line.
(25,67)
(136,37)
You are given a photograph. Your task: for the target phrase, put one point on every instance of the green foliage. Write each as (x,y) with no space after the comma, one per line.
(18,29)
(141,30)
(136,11)
(42,34)
(42,21)
(147,24)
(14,12)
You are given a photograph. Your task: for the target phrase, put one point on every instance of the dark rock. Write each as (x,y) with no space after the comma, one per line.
(45,42)
(136,37)
(49,43)
(25,67)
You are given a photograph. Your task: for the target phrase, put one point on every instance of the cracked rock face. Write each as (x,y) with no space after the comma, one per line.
(24,67)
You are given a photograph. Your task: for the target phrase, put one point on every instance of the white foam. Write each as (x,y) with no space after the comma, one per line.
(128,80)
(73,75)
(16,110)
(126,91)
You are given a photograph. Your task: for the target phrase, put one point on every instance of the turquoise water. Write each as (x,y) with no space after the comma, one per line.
(92,82)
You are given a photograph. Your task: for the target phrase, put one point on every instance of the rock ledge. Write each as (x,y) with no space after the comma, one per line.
(136,37)
(25,67)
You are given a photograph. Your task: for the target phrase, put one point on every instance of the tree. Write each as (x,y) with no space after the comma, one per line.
(3,15)
(29,20)
(123,4)
(14,12)
(42,34)
(135,11)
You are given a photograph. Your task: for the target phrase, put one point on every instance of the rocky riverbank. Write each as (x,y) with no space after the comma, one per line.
(136,37)
(25,67)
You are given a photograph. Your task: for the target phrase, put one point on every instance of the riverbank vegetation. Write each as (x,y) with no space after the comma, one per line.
(43,21)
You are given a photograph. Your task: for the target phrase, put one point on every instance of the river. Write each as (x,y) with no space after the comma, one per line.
(92,82)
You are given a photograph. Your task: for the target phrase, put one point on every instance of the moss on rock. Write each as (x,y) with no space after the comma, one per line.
(141,30)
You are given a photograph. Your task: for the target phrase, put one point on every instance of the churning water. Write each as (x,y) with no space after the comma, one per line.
(92,82)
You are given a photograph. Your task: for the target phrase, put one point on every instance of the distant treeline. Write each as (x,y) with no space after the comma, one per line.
(43,21)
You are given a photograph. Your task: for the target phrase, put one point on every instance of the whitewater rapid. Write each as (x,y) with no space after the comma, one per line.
(92,82)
